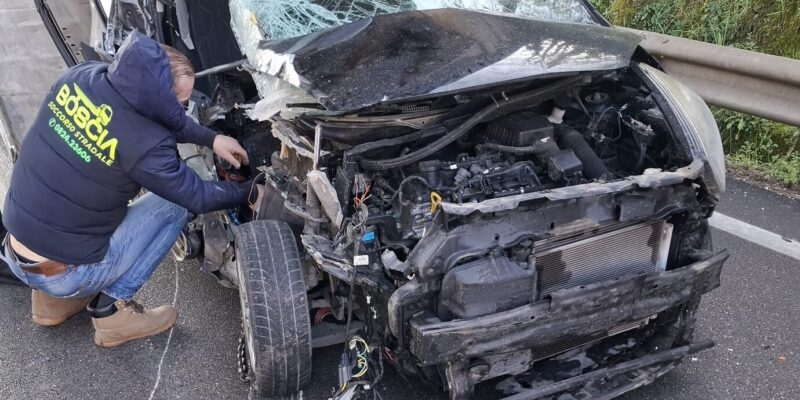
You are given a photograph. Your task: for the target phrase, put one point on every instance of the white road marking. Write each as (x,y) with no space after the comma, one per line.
(169,338)
(754,234)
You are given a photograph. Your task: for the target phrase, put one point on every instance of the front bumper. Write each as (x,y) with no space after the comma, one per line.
(569,314)
(613,381)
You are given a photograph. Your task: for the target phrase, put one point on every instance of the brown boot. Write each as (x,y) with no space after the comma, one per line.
(132,321)
(51,311)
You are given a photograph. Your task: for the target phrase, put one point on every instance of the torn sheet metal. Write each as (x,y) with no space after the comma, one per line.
(276,96)
(327,197)
(408,55)
(275,93)
(285,132)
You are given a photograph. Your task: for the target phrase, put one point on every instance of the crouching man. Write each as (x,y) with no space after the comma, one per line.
(104,132)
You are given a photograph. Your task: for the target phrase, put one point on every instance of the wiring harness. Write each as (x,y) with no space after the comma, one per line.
(356,367)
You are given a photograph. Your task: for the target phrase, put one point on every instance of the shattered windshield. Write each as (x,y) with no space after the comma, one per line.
(282,19)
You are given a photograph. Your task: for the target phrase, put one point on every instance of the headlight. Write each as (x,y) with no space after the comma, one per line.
(697,121)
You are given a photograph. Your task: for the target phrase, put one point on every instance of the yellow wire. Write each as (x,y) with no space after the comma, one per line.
(357,339)
(362,360)
(363,369)
(436,199)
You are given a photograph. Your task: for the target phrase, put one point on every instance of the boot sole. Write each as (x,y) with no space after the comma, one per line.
(49,321)
(43,321)
(115,343)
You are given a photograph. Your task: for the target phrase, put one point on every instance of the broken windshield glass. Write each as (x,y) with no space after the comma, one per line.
(283,19)
(399,56)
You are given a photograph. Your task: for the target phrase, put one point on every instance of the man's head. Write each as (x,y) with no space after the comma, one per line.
(182,74)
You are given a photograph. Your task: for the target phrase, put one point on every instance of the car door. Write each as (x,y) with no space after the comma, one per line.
(75,26)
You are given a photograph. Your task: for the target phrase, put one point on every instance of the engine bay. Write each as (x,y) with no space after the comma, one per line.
(385,173)
(597,129)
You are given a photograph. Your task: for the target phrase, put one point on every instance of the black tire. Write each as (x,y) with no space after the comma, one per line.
(275,312)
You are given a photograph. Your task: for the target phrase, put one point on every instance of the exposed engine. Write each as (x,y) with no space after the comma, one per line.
(515,154)
(389,191)
(584,135)
(597,132)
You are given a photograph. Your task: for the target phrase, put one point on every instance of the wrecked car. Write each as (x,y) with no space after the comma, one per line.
(472,191)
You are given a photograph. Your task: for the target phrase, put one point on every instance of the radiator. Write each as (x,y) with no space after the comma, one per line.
(542,352)
(602,255)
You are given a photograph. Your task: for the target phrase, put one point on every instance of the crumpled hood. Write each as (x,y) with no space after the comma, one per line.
(409,55)
(140,74)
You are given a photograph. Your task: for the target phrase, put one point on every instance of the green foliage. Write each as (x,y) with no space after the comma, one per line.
(761,145)
(785,171)
(768,26)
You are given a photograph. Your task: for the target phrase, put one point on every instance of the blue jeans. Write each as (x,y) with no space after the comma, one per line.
(137,247)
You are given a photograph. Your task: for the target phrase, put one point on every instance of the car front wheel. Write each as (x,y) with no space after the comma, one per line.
(274,305)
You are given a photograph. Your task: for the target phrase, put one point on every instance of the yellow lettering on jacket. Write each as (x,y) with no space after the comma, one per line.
(92,119)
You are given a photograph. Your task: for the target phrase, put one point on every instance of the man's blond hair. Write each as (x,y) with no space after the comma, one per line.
(179,64)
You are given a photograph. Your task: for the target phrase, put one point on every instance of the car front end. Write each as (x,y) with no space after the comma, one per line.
(541,218)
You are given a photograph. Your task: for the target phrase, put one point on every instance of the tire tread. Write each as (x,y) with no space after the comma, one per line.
(275,292)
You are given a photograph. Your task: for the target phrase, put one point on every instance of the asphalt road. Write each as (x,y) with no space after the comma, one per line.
(753,317)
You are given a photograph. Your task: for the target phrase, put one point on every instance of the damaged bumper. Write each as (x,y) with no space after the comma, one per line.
(613,381)
(595,309)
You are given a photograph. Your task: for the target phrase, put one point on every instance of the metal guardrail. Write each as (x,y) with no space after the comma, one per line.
(752,83)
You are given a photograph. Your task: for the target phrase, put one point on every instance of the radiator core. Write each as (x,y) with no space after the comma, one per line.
(542,352)
(602,255)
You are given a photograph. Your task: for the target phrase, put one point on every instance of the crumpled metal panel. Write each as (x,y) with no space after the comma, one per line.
(275,96)
(400,56)
(275,93)
(412,54)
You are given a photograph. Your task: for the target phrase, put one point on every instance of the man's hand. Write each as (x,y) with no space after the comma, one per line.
(228,149)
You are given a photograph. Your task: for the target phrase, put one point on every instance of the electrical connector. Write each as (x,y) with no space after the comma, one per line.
(345,370)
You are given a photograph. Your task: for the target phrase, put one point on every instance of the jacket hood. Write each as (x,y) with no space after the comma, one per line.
(140,73)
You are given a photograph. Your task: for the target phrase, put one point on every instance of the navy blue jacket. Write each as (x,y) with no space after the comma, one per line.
(104,132)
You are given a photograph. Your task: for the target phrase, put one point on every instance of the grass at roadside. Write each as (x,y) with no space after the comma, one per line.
(768,148)
(784,172)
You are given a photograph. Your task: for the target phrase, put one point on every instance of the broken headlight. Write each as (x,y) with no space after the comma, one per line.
(701,129)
